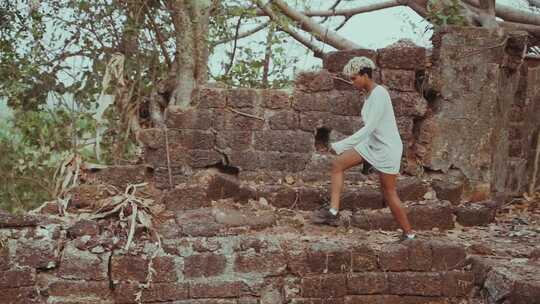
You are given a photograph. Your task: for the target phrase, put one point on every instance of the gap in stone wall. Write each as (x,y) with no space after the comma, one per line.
(420,80)
(226,169)
(322,138)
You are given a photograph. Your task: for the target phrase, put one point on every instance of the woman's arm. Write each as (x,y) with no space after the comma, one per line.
(373,117)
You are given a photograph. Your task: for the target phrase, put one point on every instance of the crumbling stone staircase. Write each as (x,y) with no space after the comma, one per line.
(362,202)
(251,255)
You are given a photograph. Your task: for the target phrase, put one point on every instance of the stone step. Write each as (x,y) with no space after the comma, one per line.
(8,220)
(354,197)
(226,218)
(427,215)
(208,187)
(506,279)
(211,185)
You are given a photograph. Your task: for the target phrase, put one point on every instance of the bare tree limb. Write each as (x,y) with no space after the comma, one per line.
(347,12)
(244,34)
(228,69)
(416,5)
(532,29)
(511,14)
(317,51)
(322,34)
(486,16)
(342,24)
(332,8)
(488,5)
(159,36)
(267,56)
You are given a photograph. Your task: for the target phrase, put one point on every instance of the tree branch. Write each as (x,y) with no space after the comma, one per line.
(244,34)
(159,37)
(317,51)
(332,8)
(320,33)
(235,45)
(342,23)
(346,12)
(511,14)
(267,56)
(417,5)
(487,14)
(532,29)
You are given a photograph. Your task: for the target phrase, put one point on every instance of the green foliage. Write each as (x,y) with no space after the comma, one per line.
(248,59)
(55,55)
(53,58)
(445,12)
(247,69)
(32,145)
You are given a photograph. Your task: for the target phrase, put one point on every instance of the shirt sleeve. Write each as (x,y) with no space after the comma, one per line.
(373,117)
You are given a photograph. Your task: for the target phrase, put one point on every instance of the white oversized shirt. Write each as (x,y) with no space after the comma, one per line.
(378,142)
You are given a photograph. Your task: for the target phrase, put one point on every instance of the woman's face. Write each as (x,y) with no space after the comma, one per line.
(359,82)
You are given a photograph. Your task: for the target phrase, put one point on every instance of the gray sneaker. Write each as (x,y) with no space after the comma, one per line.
(323,216)
(407,237)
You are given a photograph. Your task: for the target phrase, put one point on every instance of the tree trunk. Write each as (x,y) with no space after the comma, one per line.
(127,85)
(267,57)
(129,43)
(190,20)
(487,14)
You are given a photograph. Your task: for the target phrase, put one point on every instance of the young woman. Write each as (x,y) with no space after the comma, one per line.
(377,143)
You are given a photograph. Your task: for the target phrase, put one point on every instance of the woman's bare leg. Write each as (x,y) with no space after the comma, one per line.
(388,185)
(343,162)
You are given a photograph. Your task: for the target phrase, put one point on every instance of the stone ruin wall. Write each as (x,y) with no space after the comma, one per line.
(486,113)
(527,122)
(247,131)
(467,115)
(45,260)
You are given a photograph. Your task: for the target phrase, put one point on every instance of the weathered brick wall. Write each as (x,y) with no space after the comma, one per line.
(530,130)
(279,132)
(278,135)
(477,127)
(42,262)
(45,260)
(523,128)
(485,110)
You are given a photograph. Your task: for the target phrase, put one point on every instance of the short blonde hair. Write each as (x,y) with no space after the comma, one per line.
(356,64)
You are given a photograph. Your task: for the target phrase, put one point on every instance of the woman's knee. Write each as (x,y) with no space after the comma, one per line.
(337,166)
